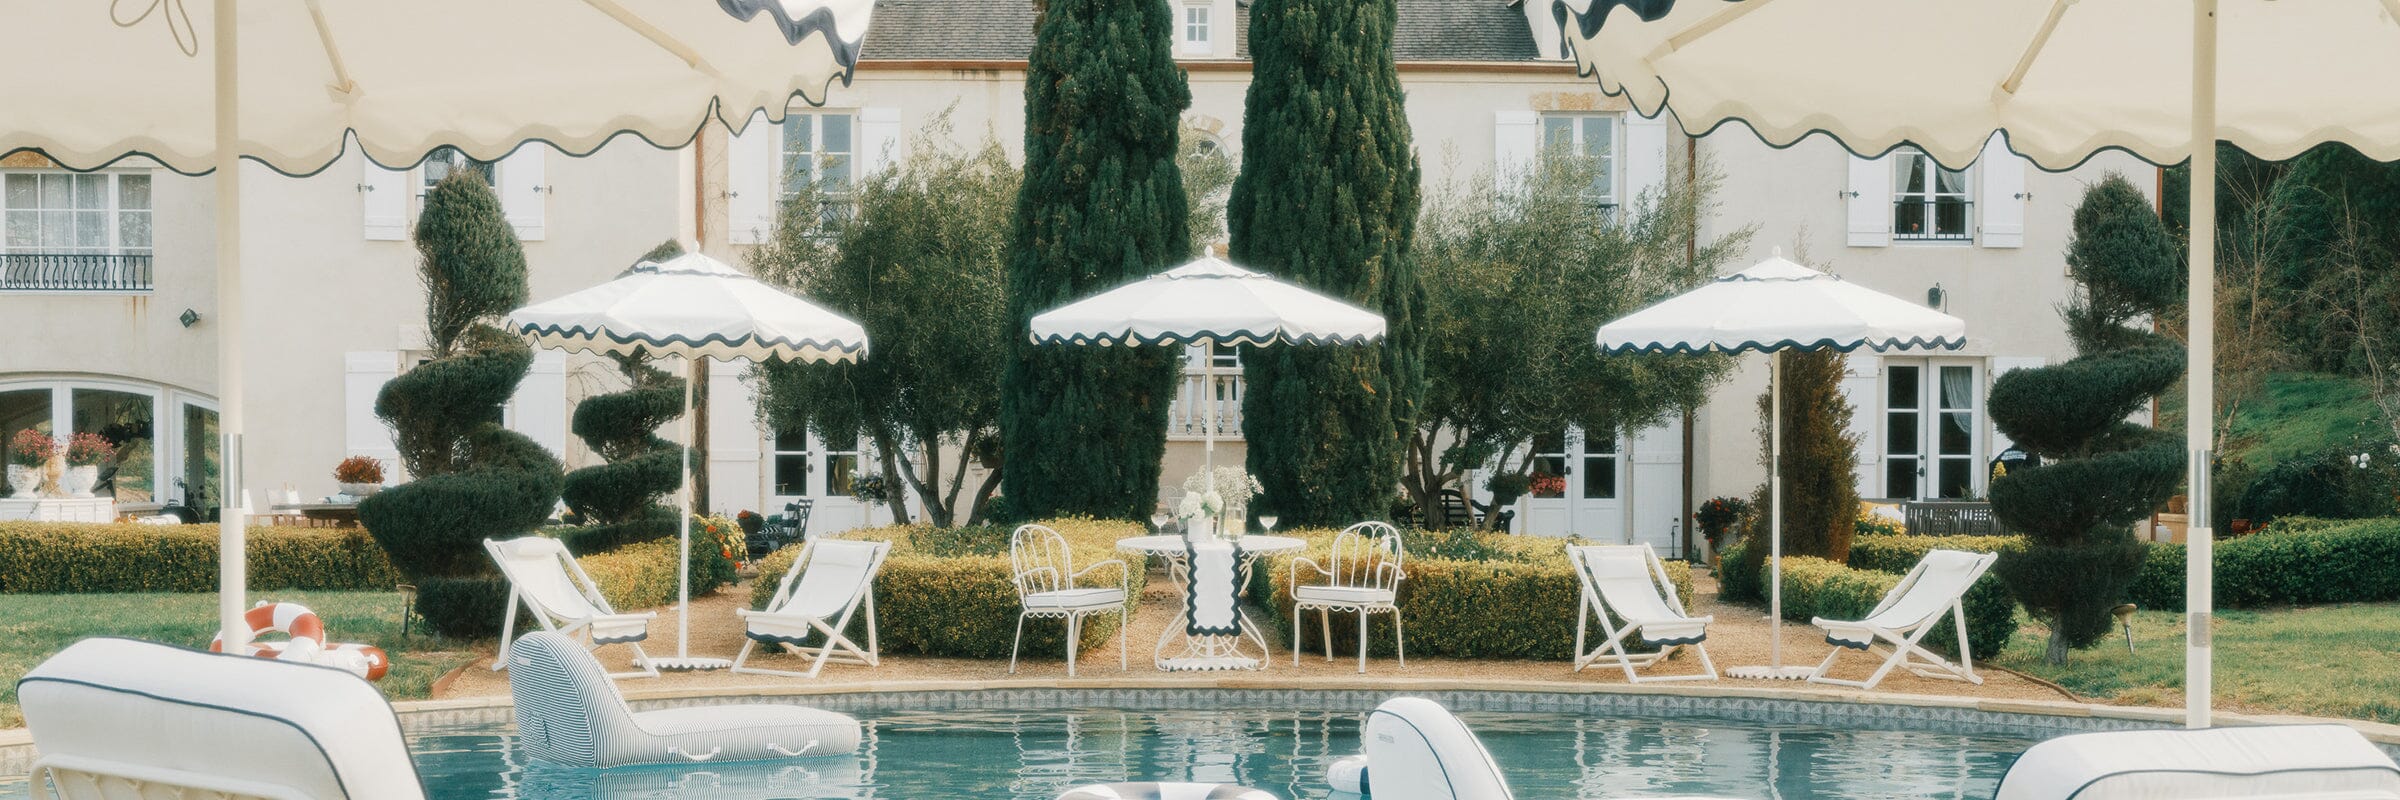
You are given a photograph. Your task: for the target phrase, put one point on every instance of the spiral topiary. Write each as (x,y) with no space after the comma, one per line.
(621,428)
(471,478)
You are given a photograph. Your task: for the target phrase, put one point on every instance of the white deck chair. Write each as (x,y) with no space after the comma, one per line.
(826,585)
(118,718)
(1362,575)
(1045,576)
(562,598)
(1631,581)
(1937,584)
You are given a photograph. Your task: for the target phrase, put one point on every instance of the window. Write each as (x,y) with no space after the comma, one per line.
(1588,136)
(1930,448)
(818,154)
(791,462)
(1549,466)
(448,161)
(67,231)
(1196,31)
(1599,467)
(841,465)
(154,448)
(1929,203)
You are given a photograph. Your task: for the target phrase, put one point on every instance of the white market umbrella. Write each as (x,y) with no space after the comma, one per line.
(1206,302)
(288,84)
(2161,79)
(694,307)
(1772,307)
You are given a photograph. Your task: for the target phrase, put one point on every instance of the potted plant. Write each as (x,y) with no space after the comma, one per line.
(86,452)
(360,476)
(29,454)
(1719,517)
(1211,501)
(1506,487)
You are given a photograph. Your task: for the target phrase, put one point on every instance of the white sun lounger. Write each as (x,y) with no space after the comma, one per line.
(1937,585)
(826,585)
(568,712)
(1629,580)
(543,575)
(118,718)
(2283,762)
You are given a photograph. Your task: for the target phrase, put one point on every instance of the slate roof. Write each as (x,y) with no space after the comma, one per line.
(1002,30)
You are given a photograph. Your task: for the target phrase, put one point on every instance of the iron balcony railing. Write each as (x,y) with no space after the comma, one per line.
(1944,219)
(75,272)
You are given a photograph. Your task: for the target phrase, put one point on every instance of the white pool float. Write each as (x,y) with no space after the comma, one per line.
(1165,791)
(2288,762)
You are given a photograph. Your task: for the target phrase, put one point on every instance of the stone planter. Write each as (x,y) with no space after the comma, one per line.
(78,481)
(24,480)
(361,491)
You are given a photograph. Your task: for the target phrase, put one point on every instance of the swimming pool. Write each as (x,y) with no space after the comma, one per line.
(930,755)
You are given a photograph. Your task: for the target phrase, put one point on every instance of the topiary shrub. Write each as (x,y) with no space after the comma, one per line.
(471,478)
(621,427)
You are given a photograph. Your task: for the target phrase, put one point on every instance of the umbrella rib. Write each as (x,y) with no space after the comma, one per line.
(656,36)
(2391,10)
(333,53)
(2041,39)
(1705,27)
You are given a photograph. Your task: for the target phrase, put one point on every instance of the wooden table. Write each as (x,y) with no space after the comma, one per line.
(337,515)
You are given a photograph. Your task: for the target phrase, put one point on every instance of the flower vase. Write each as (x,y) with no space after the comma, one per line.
(78,481)
(1200,530)
(24,480)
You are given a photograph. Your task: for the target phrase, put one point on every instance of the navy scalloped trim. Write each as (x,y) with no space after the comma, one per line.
(1685,348)
(1590,20)
(1845,643)
(1244,336)
(579,333)
(845,52)
(768,638)
(601,640)
(1674,642)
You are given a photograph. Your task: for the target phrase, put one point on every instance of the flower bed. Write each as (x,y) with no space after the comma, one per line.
(947,592)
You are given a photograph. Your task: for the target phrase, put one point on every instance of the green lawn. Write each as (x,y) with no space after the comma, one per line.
(33,626)
(2329,661)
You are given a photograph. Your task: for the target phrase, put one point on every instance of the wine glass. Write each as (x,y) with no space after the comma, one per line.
(1159,520)
(1266,523)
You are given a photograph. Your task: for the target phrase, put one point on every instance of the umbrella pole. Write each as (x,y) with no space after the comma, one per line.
(683,523)
(232,560)
(1775,513)
(1208,394)
(2200,420)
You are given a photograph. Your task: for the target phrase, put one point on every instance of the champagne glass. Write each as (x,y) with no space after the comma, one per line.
(1266,523)
(1159,520)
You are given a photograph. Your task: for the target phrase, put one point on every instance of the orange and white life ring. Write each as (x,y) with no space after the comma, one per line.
(305,641)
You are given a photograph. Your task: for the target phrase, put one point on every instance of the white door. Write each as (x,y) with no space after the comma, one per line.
(1578,487)
(1932,416)
(802,464)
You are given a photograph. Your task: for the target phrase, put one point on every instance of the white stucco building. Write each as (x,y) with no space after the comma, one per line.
(98,270)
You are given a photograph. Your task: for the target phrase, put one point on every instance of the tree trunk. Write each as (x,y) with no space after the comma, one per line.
(2056,655)
(892,496)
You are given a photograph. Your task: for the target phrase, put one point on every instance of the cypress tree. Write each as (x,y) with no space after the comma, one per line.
(1327,198)
(1102,203)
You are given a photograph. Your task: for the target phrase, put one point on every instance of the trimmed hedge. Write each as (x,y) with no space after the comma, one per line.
(2296,561)
(1467,595)
(1814,587)
(947,592)
(64,557)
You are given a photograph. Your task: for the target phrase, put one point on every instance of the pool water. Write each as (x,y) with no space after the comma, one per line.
(1037,754)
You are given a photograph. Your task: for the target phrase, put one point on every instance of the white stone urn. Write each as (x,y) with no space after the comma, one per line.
(361,491)
(78,481)
(24,480)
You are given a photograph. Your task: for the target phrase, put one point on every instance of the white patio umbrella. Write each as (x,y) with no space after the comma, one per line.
(2161,79)
(1772,307)
(1206,302)
(694,307)
(288,84)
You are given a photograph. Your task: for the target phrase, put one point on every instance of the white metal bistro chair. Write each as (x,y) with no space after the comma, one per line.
(543,575)
(1631,581)
(1937,584)
(1046,580)
(828,582)
(1362,575)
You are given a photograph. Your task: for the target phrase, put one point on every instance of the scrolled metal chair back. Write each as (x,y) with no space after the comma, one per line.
(1367,556)
(1039,561)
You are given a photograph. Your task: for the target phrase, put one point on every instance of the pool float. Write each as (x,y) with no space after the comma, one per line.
(1348,774)
(1420,752)
(1164,791)
(304,641)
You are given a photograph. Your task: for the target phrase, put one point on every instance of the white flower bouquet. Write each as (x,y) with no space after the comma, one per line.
(1218,497)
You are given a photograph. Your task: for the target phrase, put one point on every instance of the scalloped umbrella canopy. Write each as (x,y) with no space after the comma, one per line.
(288,84)
(695,307)
(1775,306)
(406,78)
(1781,305)
(2063,79)
(1205,302)
(691,306)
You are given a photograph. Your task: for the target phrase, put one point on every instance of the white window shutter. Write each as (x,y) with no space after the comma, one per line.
(754,172)
(1870,198)
(879,140)
(523,184)
(384,194)
(1644,162)
(364,372)
(1516,142)
(539,408)
(2002,176)
(2002,365)
(735,462)
(1858,388)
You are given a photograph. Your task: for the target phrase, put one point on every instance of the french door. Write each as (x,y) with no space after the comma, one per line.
(1578,487)
(1932,418)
